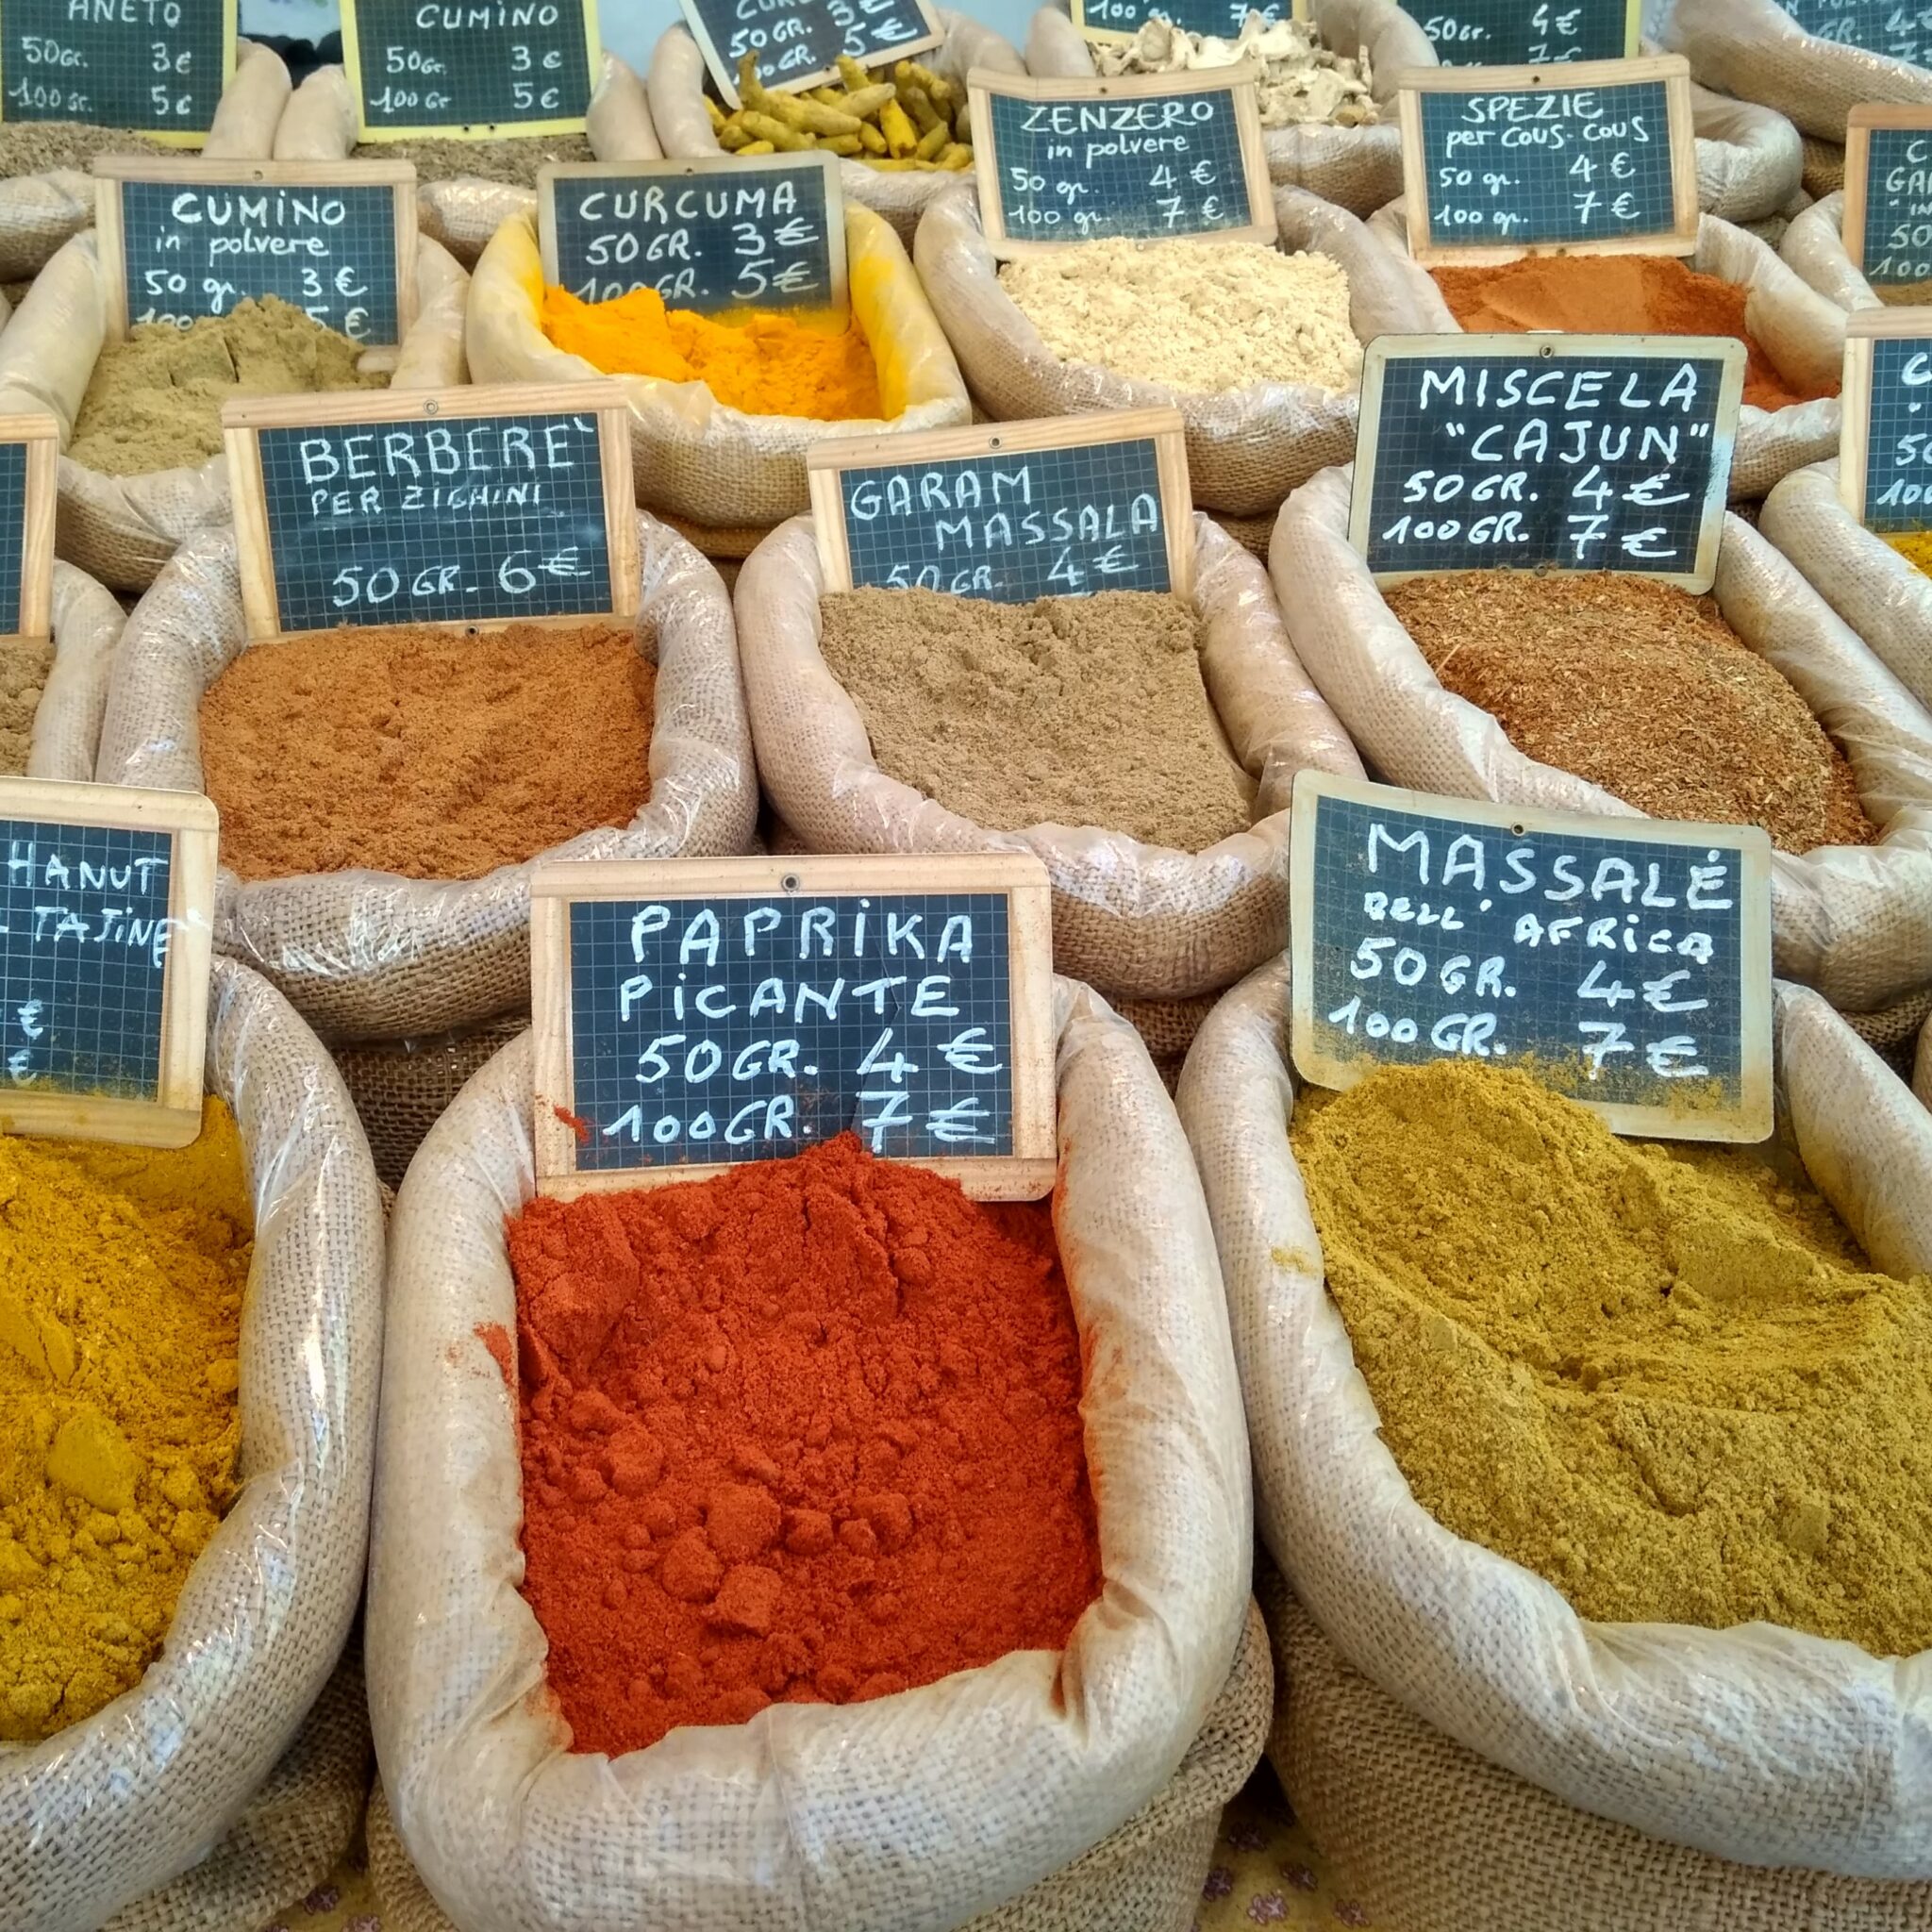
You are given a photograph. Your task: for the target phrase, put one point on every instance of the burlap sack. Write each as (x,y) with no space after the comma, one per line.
(1750,159)
(1144,1876)
(677,89)
(1428,1838)
(1758,1744)
(1140,920)
(693,456)
(1758,52)
(1247,448)
(370,956)
(803,1818)
(123,530)
(1886,599)
(1824,167)
(124,1801)
(1814,250)
(1802,333)
(67,724)
(1854,921)
(1921,1066)
(401,1086)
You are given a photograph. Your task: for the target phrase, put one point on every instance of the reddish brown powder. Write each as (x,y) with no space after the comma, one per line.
(1614,294)
(430,753)
(808,1432)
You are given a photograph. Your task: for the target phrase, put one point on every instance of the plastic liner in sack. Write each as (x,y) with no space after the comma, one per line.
(1144,1876)
(123,530)
(1814,249)
(1141,920)
(1886,598)
(86,627)
(462,215)
(694,457)
(1758,52)
(1247,448)
(1802,333)
(126,1801)
(677,89)
(1430,1838)
(907,1813)
(369,955)
(1760,1744)
(1854,921)
(1750,159)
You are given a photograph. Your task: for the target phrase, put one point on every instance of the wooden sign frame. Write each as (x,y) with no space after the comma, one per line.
(1240,82)
(465,130)
(1025,1175)
(674,169)
(113,172)
(1751,1120)
(1860,123)
(1578,76)
(825,461)
(724,73)
(1387,349)
(243,421)
(173,1118)
(41,433)
(1867,325)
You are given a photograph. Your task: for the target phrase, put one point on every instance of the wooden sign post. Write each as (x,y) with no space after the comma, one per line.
(466,72)
(1152,155)
(1546,453)
(798,41)
(1594,159)
(473,507)
(1885,446)
(1065,506)
(337,240)
(1890,28)
(1533,33)
(154,67)
(692,1014)
(707,235)
(1887,226)
(29,483)
(106,899)
(1625,961)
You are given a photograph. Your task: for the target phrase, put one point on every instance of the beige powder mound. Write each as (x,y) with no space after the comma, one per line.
(1203,317)
(1071,711)
(24,663)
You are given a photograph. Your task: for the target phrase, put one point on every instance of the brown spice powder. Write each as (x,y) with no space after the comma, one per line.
(1641,689)
(1071,710)
(430,753)
(24,663)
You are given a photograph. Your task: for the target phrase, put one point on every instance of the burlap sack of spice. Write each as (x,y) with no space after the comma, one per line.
(123,530)
(694,457)
(1760,1744)
(1803,334)
(1430,1838)
(1921,1066)
(463,213)
(1750,159)
(122,1803)
(1883,596)
(677,87)
(1142,921)
(370,955)
(1854,921)
(908,1813)
(1247,448)
(67,724)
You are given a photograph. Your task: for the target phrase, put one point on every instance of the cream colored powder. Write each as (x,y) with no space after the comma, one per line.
(1198,316)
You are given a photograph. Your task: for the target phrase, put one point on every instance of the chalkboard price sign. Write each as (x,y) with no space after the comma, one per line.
(29,486)
(1061,506)
(1885,446)
(1153,157)
(707,235)
(1551,453)
(798,41)
(1595,158)
(1120,20)
(465,506)
(1895,28)
(1505,33)
(186,238)
(469,69)
(107,895)
(1625,961)
(154,66)
(694,1014)
(1887,224)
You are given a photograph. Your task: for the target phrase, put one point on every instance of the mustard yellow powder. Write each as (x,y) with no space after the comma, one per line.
(122,1274)
(1661,1378)
(1915,546)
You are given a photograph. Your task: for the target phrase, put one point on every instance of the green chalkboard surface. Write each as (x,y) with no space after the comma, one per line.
(1898,30)
(1508,33)
(798,41)
(155,66)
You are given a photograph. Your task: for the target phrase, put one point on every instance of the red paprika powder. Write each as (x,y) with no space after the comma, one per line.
(806,1432)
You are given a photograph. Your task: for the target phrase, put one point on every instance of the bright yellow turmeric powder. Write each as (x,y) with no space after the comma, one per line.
(1915,546)
(759,360)
(122,1272)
